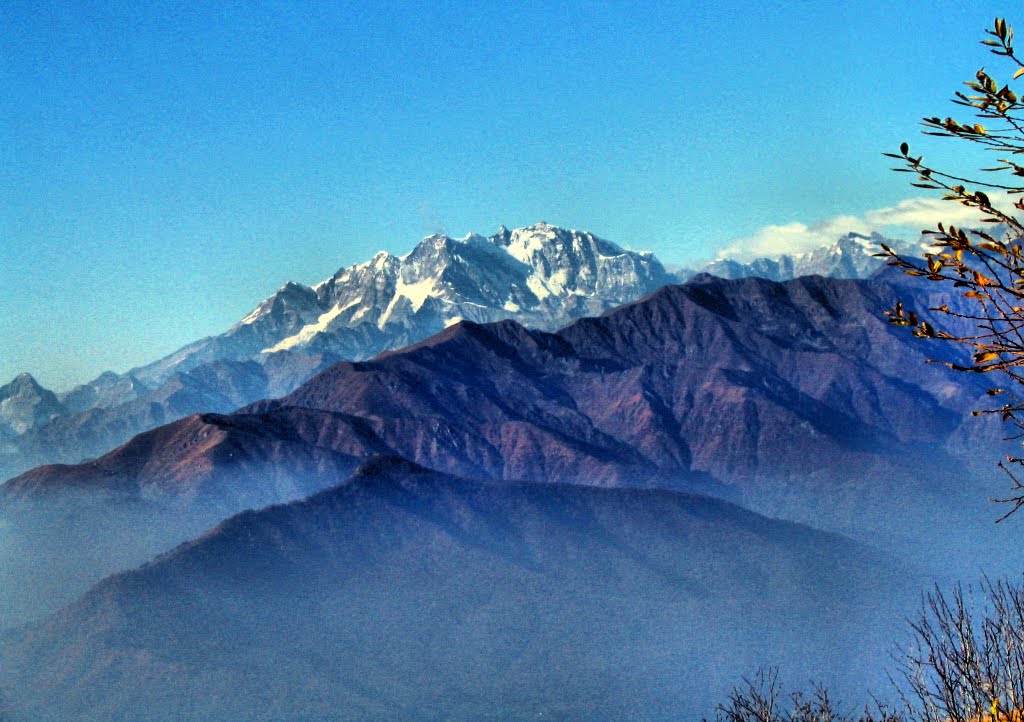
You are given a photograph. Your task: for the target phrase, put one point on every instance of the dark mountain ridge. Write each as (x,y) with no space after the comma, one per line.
(741,380)
(540,275)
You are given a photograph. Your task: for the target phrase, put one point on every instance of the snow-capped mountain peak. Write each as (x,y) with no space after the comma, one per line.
(850,256)
(530,272)
(525,243)
(24,403)
(292,297)
(541,275)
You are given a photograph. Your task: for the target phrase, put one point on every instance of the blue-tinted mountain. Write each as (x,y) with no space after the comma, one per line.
(541,276)
(737,380)
(24,404)
(408,594)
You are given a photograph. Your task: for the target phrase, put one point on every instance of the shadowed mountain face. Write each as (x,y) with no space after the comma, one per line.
(737,379)
(797,399)
(747,382)
(410,594)
(164,487)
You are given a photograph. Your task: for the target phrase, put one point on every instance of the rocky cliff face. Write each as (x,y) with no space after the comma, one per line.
(541,275)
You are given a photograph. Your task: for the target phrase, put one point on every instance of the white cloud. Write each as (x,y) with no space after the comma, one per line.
(922,213)
(913,214)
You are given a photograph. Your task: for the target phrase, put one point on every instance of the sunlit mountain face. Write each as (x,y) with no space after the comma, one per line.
(541,275)
(276,444)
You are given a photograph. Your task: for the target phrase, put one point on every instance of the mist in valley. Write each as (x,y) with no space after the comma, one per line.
(411,594)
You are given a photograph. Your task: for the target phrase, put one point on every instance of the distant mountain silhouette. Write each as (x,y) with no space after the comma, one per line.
(25,404)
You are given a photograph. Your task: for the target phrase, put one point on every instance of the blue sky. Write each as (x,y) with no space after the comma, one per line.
(166,165)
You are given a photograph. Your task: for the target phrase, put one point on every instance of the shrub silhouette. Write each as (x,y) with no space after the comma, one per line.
(964,663)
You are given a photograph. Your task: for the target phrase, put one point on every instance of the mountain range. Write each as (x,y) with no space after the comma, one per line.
(797,400)
(613,516)
(851,256)
(541,276)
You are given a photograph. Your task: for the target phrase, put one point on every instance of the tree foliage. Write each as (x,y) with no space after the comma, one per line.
(984,265)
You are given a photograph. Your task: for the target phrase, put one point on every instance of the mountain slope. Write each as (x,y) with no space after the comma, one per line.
(542,276)
(808,366)
(410,594)
(796,400)
(162,488)
(217,386)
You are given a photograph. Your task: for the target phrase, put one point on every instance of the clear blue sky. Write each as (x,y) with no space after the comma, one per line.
(166,165)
